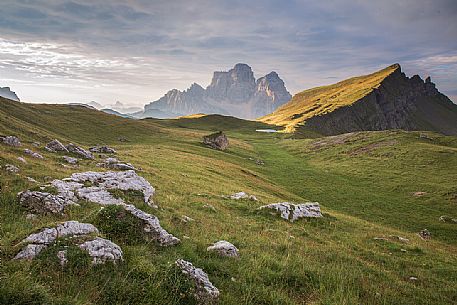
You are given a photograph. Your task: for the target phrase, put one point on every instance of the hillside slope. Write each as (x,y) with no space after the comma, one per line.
(386,99)
(365,183)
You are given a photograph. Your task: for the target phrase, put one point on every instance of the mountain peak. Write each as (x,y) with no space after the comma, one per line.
(7,93)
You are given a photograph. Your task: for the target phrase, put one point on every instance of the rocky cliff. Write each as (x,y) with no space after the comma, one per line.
(235,92)
(7,93)
(387,99)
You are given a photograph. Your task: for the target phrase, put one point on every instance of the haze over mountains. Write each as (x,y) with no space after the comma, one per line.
(235,92)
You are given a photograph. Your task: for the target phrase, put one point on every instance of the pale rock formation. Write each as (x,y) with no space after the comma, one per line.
(55,146)
(224,248)
(292,212)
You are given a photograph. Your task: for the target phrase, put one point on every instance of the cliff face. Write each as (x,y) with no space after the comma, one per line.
(235,92)
(7,93)
(399,103)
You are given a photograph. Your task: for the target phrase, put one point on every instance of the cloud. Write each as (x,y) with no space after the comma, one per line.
(139,48)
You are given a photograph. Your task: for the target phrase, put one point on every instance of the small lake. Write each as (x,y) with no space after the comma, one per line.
(266,130)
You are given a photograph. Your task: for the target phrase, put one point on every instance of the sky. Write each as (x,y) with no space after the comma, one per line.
(134,51)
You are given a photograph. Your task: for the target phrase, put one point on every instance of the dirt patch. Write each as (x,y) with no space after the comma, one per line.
(332,140)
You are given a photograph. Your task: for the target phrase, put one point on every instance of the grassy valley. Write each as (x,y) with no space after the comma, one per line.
(365,182)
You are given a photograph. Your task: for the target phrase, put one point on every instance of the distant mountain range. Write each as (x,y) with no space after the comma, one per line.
(235,92)
(116,108)
(7,93)
(386,99)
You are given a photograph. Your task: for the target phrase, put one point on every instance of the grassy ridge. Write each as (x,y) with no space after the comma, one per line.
(325,99)
(365,189)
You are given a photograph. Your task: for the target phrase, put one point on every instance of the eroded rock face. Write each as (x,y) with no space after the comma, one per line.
(55,146)
(224,248)
(47,236)
(293,212)
(102,250)
(205,291)
(11,141)
(42,202)
(79,151)
(152,227)
(216,140)
(102,150)
(33,154)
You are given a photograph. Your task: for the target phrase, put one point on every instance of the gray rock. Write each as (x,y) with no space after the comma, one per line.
(70,160)
(36,144)
(30,179)
(30,252)
(72,228)
(293,212)
(425,234)
(79,151)
(42,202)
(102,250)
(224,248)
(102,150)
(21,159)
(55,146)
(205,291)
(448,219)
(216,140)
(45,237)
(11,141)
(152,227)
(11,168)
(243,195)
(62,256)
(33,154)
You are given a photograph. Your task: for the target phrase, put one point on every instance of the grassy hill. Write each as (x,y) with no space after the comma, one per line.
(364,182)
(383,100)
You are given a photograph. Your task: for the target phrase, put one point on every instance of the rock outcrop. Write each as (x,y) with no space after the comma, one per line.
(216,140)
(99,249)
(55,146)
(102,150)
(224,248)
(33,154)
(292,212)
(205,291)
(10,140)
(79,151)
(242,195)
(235,92)
(43,202)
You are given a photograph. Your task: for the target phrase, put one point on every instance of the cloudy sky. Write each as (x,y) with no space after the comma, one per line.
(136,50)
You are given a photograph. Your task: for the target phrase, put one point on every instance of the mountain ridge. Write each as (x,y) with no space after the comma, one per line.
(386,99)
(235,92)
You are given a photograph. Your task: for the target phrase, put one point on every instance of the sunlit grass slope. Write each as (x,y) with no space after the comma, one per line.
(325,99)
(364,182)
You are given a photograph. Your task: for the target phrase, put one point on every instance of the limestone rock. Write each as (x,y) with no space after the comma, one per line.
(11,168)
(21,159)
(293,212)
(205,291)
(243,195)
(33,154)
(11,140)
(30,252)
(152,226)
(62,256)
(102,250)
(45,237)
(79,151)
(102,150)
(216,140)
(72,228)
(70,160)
(448,219)
(55,146)
(425,234)
(42,202)
(224,248)
(114,163)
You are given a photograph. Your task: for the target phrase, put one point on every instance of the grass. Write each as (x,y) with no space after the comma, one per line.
(365,189)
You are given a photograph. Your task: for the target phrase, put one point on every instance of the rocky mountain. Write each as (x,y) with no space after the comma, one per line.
(7,93)
(235,92)
(386,99)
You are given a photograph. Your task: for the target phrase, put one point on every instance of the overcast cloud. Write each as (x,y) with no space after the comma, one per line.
(136,50)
